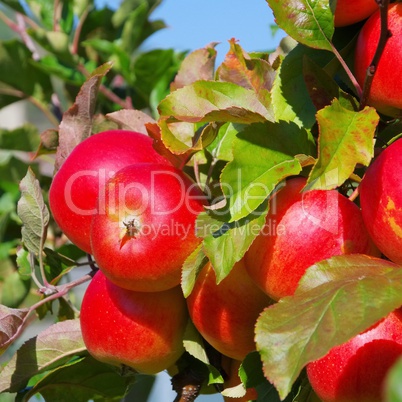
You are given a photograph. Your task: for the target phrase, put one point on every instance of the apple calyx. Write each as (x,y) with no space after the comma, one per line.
(132,227)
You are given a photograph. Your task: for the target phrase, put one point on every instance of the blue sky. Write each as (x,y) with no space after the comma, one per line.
(192,24)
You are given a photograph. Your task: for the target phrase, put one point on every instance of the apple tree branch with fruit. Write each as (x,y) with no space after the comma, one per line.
(238,226)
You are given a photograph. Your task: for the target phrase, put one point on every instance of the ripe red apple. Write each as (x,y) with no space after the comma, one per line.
(137,329)
(355,370)
(349,12)
(225,314)
(146,228)
(301,229)
(75,187)
(381,201)
(386,90)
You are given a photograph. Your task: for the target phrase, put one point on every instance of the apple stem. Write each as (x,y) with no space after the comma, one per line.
(354,194)
(347,70)
(187,384)
(385,34)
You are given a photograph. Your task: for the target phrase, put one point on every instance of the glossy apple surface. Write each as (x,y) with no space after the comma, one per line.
(349,12)
(355,371)
(386,90)
(381,201)
(225,314)
(137,329)
(300,230)
(146,230)
(75,187)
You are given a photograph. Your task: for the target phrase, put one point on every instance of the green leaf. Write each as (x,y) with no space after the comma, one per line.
(15,289)
(137,27)
(193,343)
(393,383)
(194,346)
(11,324)
(226,243)
(222,146)
(19,77)
(43,11)
(50,64)
(83,380)
(152,67)
(290,97)
(206,101)
(250,371)
(310,22)
(77,121)
(55,42)
(56,265)
(191,268)
(53,347)
(15,5)
(263,155)
(304,327)
(345,140)
(24,138)
(33,212)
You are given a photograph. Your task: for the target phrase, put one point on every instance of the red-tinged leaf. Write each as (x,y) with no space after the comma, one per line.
(133,120)
(207,101)
(51,348)
(251,73)
(310,22)
(184,138)
(33,213)
(49,141)
(337,299)
(198,65)
(76,124)
(11,324)
(345,140)
(177,160)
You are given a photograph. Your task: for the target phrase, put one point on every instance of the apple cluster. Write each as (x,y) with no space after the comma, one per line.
(356,371)
(119,200)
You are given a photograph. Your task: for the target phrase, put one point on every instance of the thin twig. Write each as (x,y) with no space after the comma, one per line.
(347,70)
(57,10)
(77,33)
(106,91)
(354,194)
(385,34)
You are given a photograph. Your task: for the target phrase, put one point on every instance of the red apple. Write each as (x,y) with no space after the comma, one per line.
(386,89)
(146,228)
(75,187)
(355,370)
(381,201)
(225,314)
(141,330)
(303,228)
(348,12)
